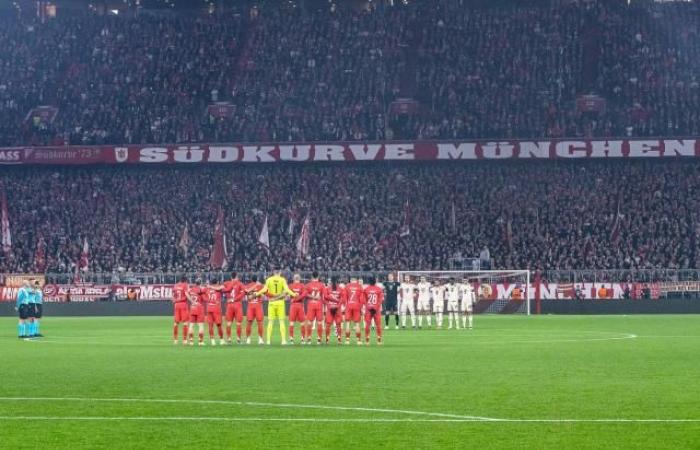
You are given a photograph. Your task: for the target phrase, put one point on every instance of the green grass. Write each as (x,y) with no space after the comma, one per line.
(508,367)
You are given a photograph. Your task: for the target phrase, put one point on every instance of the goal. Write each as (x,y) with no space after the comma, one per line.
(497,291)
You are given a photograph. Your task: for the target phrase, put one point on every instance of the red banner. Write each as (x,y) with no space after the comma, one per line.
(354,151)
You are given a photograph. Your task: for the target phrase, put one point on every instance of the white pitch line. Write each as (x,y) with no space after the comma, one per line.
(442,417)
(349,420)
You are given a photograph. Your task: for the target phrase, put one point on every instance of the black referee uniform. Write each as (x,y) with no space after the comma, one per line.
(391,296)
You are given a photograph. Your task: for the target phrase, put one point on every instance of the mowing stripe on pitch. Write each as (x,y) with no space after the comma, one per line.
(440,417)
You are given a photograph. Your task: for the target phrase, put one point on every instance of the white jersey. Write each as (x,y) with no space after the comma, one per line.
(423,291)
(407,290)
(468,296)
(437,293)
(452,293)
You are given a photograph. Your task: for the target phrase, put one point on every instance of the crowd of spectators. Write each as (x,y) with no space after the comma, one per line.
(595,215)
(291,73)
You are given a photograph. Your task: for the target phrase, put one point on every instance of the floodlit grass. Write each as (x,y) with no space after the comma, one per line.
(92,381)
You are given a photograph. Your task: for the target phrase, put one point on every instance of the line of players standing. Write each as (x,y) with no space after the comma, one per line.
(420,300)
(316,306)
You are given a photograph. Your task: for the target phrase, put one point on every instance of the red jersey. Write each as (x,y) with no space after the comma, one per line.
(315,291)
(250,290)
(354,294)
(335,297)
(234,290)
(374,297)
(300,290)
(180,292)
(213,298)
(198,294)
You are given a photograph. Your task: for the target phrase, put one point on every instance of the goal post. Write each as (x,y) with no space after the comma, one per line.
(498,291)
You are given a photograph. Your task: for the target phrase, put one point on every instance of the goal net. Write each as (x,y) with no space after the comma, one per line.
(495,291)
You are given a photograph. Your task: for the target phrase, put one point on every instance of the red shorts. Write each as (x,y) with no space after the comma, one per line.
(197,315)
(214,316)
(255,312)
(337,317)
(377,316)
(181,312)
(314,310)
(296,312)
(353,313)
(234,311)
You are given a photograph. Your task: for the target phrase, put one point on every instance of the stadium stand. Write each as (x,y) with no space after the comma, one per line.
(536,215)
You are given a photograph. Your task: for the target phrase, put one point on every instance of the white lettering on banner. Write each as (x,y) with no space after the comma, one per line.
(258,153)
(535,149)
(295,152)
(325,152)
(643,149)
(153,155)
(465,150)
(364,152)
(504,291)
(497,150)
(679,148)
(606,149)
(399,151)
(223,154)
(548,291)
(188,154)
(9,156)
(571,149)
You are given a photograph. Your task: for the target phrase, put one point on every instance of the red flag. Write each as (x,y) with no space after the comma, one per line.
(85,256)
(453,218)
(5,219)
(40,254)
(304,241)
(184,243)
(405,229)
(218,254)
(615,229)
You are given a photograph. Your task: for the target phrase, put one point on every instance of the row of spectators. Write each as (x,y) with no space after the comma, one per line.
(304,74)
(595,215)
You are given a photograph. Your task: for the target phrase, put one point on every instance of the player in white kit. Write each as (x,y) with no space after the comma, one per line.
(423,288)
(437,292)
(452,294)
(467,304)
(406,292)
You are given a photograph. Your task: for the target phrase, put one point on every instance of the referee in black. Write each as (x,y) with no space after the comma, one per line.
(391,295)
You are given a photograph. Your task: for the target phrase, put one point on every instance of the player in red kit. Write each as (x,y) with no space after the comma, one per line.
(315,294)
(213,299)
(335,300)
(374,297)
(354,299)
(255,310)
(181,311)
(296,310)
(197,298)
(234,291)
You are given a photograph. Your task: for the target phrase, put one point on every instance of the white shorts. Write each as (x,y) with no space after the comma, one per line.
(452,306)
(423,305)
(467,306)
(438,306)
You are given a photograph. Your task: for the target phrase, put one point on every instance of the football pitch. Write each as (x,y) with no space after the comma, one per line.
(560,382)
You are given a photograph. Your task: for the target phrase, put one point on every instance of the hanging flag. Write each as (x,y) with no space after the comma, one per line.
(453,218)
(290,228)
(304,241)
(40,254)
(264,238)
(615,229)
(85,256)
(184,243)
(509,234)
(5,219)
(405,229)
(217,258)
